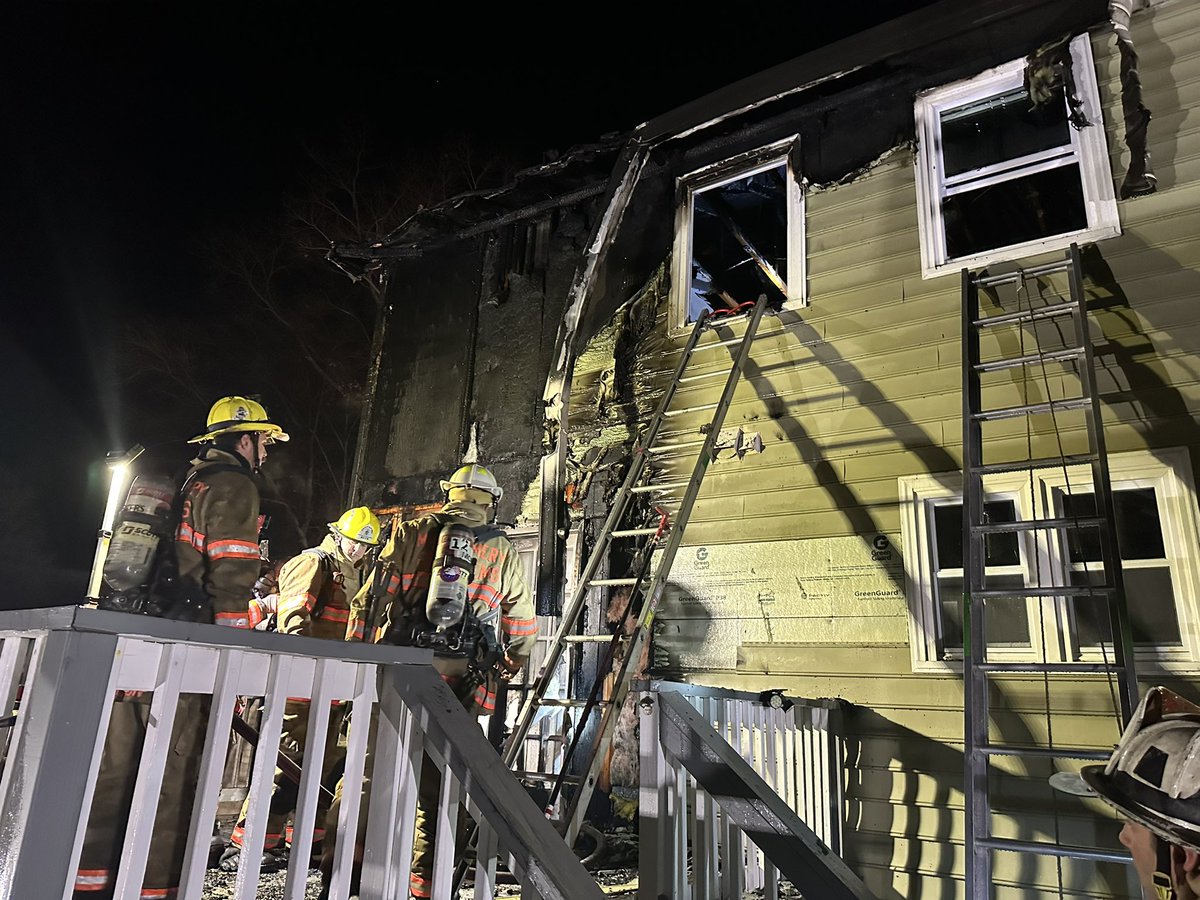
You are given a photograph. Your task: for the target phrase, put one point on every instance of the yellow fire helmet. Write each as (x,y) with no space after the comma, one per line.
(232,414)
(475,476)
(358,524)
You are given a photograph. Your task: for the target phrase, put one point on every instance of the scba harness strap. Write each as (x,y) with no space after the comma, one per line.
(474,639)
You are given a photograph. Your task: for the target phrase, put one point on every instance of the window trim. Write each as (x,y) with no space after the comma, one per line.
(1089,146)
(716,174)
(1168,471)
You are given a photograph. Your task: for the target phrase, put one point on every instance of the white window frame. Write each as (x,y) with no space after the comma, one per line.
(724,172)
(1167,471)
(1088,148)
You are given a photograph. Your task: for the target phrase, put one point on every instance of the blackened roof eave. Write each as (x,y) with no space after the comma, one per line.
(580,173)
(929,25)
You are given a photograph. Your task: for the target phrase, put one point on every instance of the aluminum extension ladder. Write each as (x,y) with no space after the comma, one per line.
(645,587)
(977,668)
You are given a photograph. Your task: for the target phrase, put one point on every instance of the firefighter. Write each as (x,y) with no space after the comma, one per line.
(216,560)
(497,594)
(314,591)
(1153,780)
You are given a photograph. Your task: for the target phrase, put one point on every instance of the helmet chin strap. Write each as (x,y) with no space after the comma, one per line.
(1164,888)
(256,463)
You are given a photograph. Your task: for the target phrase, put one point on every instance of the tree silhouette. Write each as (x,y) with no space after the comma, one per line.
(286,318)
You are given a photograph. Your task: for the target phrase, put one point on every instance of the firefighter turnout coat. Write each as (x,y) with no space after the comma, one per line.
(497,591)
(315,588)
(217,550)
(217,540)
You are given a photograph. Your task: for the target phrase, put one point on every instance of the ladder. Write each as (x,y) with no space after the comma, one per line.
(978,669)
(646,585)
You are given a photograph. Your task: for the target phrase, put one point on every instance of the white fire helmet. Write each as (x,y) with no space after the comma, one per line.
(1153,776)
(475,476)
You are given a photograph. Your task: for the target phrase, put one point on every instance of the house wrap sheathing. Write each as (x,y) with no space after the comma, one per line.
(823,566)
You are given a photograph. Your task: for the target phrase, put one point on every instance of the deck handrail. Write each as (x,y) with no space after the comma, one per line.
(62,667)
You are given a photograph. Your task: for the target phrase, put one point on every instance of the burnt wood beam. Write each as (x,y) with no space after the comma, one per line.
(417,248)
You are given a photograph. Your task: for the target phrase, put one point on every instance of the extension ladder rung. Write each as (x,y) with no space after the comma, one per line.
(1023,274)
(587,638)
(666,486)
(1015,362)
(613,582)
(675,445)
(545,777)
(1050,311)
(1043,752)
(634,532)
(1042,848)
(724,342)
(684,410)
(1032,409)
(1006,468)
(571,703)
(1059,668)
(546,738)
(1038,525)
(702,376)
(1053,590)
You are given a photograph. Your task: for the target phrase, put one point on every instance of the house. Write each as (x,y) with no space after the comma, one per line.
(534,328)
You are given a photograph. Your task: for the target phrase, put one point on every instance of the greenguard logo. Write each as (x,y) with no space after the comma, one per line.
(702,558)
(881,548)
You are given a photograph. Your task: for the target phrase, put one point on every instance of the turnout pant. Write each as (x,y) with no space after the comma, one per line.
(119,764)
(285,792)
(428,795)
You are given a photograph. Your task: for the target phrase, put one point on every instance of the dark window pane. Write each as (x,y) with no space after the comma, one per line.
(1139,531)
(999,129)
(750,210)
(1021,209)
(1002,549)
(1151,602)
(1007,619)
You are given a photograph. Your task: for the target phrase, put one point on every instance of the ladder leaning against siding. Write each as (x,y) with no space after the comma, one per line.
(645,587)
(1062,526)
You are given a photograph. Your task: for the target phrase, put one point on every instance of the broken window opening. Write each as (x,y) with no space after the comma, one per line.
(1000,176)
(740,236)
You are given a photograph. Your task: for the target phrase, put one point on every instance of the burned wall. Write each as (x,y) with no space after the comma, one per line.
(470,339)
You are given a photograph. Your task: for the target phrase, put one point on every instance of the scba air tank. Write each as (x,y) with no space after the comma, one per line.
(140,527)
(453,569)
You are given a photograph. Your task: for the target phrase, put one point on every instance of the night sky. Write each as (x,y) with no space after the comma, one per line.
(132,131)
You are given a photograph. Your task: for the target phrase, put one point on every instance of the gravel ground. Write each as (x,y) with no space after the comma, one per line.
(617,883)
(615,872)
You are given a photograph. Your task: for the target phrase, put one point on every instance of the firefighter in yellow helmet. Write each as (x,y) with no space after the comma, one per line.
(315,588)
(216,562)
(498,599)
(1153,780)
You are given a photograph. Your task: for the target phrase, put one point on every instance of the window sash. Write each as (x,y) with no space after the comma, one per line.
(1009,170)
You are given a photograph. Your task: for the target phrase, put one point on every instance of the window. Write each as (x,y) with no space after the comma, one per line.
(1155,510)
(739,233)
(999,177)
